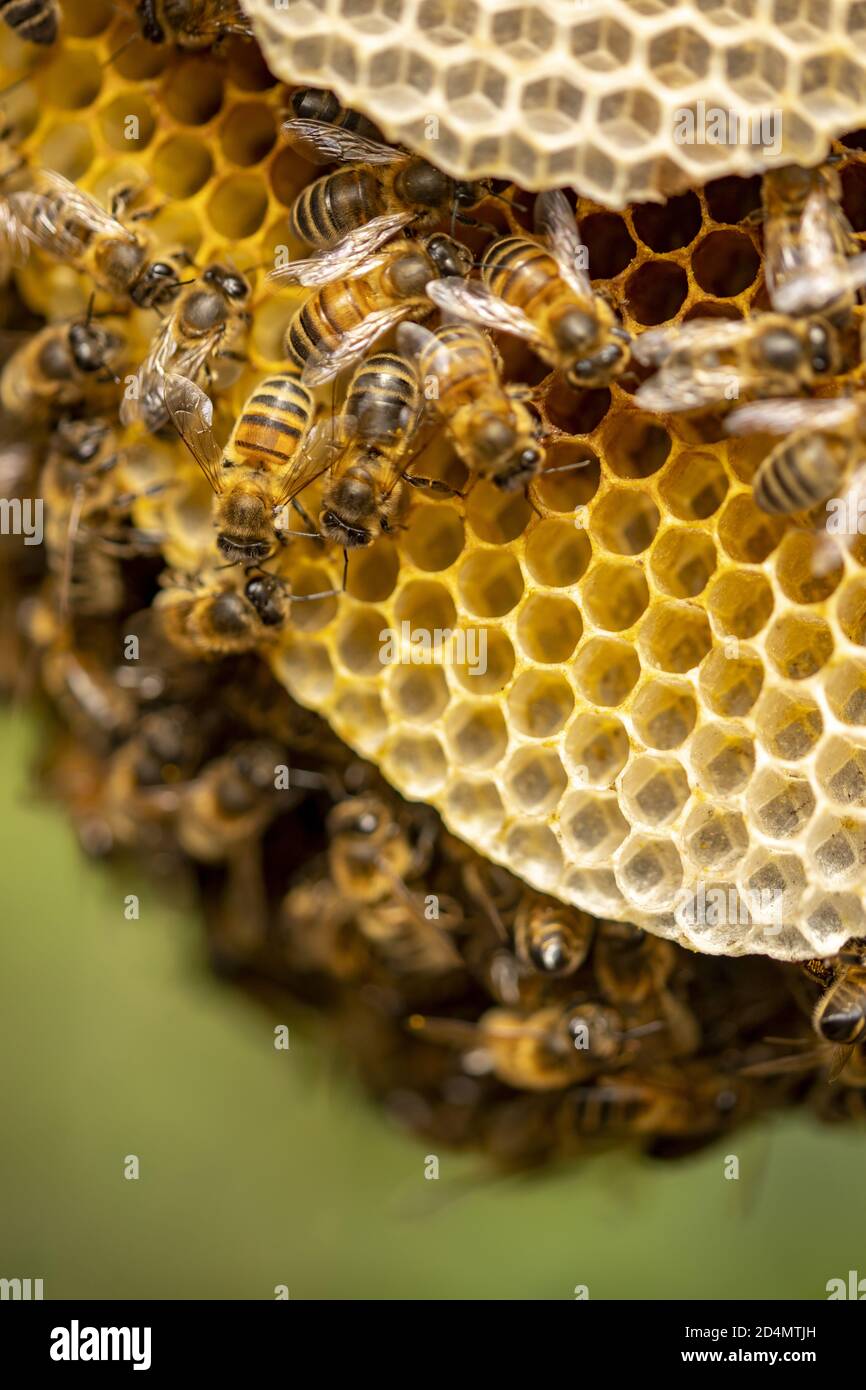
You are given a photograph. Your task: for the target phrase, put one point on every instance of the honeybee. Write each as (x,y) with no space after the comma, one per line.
(544,1050)
(364,494)
(34,21)
(210,618)
(271,456)
(207,316)
(70,226)
(55,369)
(409,944)
(822,442)
(550,938)
(810,264)
(79,490)
(230,803)
(372,852)
(840,1015)
(708,361)
(385,190)
(543,294)
(318,104)
(631,965)
(191,23)
(345,316)
(492,430)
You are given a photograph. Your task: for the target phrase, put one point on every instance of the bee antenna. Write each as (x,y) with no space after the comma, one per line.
(509,202)
(117,52)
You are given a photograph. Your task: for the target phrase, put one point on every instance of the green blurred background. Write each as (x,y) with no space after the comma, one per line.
(261,1168)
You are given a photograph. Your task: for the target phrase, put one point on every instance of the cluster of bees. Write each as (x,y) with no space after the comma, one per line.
(480,1011)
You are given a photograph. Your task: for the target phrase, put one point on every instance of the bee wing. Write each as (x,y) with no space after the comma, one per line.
(186,360)
(346,256)
(555,218)
(324,143)
(62,218)
(810,291)
(784,416)
(191,413)
(655,346)
(356,342)
(469,300)
(14,242)
(323,444)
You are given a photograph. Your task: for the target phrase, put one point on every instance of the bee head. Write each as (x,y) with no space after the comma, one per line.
(91,346)
(80,440)
(158,283)
(265,593)
(349,512)
(448,256)
(423,183)
(233,286)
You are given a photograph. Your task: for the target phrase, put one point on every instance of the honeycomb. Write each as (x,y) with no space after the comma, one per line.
(670,726)
(589,94)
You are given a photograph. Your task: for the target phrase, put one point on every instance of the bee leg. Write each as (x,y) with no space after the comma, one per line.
(432,485)
(145,214)
(121,198)
(305,517)
(466,221)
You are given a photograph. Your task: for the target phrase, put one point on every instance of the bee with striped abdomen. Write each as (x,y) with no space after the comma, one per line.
(709,361)
(821,445)
(207,318)
(271,456)
(319,104)
(70,226)
(345,316)
(811,264)
(383,190)
(493,432)
(364,494)
(541,292)
(34,21)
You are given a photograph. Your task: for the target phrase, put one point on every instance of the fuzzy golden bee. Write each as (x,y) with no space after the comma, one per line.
(811,265)
(709,362)
(207,319)
(540,291)
(818,457)
(364,494)
(211,617)
(360,297)
(493,431)
(383,190)
(59,367)
(271,456)
(69,225)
